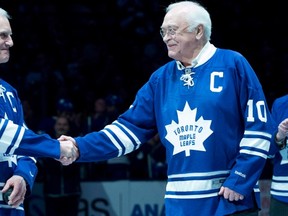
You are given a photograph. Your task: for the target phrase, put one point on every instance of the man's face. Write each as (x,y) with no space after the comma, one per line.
(5,39)
(181,43)
(61,126)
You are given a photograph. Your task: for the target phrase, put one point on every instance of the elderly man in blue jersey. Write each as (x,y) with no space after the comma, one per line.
(279,185)
(210,112)
(19,172)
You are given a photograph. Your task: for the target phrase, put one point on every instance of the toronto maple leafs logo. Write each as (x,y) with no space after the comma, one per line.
(189,134)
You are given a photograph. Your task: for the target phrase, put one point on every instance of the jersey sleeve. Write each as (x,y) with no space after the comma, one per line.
(127,133)
(26,167)
(18,140)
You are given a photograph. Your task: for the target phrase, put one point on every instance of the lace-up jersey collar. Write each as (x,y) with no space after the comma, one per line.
(205,54)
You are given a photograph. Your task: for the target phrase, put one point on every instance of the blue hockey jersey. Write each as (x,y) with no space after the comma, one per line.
(279,185)
(212,119)
(17,140)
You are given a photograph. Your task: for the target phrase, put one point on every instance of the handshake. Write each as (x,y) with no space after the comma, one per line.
(69,150)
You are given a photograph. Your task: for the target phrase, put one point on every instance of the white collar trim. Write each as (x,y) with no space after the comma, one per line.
(205,54)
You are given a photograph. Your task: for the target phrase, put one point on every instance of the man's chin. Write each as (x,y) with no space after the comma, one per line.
(4,60)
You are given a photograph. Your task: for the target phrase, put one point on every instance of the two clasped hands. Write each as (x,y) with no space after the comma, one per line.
(69,150)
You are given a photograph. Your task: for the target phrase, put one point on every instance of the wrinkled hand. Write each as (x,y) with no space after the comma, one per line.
(230,194)
(69,150)
(282,130)
(19,190)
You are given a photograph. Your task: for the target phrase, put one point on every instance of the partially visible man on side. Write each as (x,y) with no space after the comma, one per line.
(279,185)
(19,172)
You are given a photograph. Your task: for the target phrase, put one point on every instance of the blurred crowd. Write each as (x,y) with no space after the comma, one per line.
(89,58)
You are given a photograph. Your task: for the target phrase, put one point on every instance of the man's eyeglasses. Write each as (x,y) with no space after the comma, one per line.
(172,31)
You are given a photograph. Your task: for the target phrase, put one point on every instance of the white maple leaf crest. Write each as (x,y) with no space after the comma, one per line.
(188,134)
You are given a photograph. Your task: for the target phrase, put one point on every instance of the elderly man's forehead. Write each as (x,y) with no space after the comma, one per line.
(174,19)
(5,25)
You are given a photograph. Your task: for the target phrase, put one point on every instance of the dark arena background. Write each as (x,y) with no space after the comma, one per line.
(100,47)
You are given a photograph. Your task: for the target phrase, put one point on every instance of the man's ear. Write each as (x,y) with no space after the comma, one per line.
(199,31)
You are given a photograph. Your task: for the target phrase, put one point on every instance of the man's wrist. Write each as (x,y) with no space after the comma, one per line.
(281,143)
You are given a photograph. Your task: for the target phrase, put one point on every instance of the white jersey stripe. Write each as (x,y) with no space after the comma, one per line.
(195,185)
(8,134)
(190,196)
(19,138)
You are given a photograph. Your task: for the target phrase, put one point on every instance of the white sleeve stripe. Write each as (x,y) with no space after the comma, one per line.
(279,193)
(2,123)
(281,186)
(251,152)
(8,134)
(258,133)
(280,178)
(258,143)
(114,142)
(256,190)
(19,138)
(121,136)
(129,132)
(32,158)
(3,148)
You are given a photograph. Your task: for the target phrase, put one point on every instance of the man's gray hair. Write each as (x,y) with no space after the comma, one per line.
(4,13)
(195,15)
